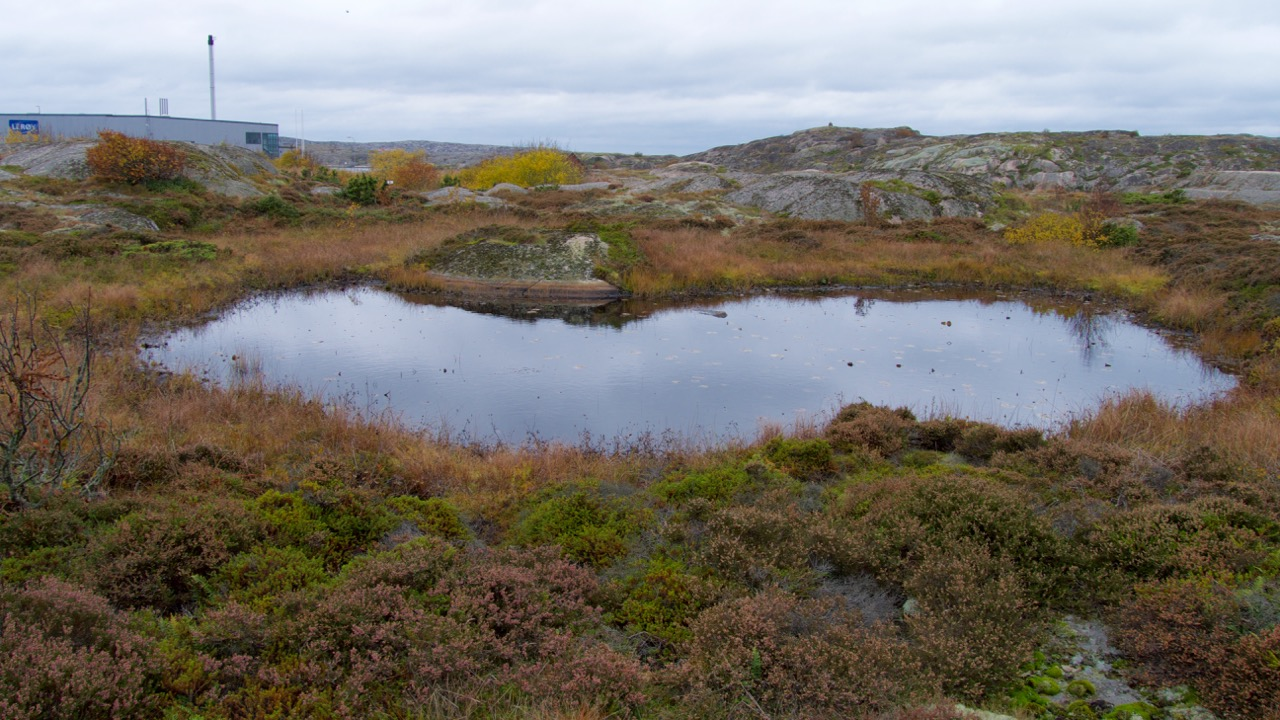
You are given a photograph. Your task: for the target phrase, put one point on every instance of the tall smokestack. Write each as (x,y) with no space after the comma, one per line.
(213,102)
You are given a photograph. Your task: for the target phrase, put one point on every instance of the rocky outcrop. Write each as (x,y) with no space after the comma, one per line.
(59,160)
(223,169)
(1206,166)
(514,263)
(819,195)
(1252,186)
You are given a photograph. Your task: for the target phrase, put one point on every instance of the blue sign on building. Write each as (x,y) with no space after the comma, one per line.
(25,127)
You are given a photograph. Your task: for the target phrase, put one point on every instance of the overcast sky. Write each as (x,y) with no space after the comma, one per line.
(655,76)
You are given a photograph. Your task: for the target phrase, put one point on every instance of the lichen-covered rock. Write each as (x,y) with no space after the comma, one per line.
(59,160)
(512,261)
(108,217)
(1252,186)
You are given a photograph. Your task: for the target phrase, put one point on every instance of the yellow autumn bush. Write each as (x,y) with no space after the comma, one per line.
(1049,227)
(528,168)
(404,169)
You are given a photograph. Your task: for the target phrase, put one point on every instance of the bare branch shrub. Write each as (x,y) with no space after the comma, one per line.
(48,439)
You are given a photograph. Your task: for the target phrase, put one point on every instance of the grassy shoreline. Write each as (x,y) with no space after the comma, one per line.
(255,552)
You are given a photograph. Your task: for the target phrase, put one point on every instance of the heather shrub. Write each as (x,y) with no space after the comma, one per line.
(415,565)
(1210,535)
(879,430)
(530,168)
(65,653)
(1197,633)
(158,557)
(778,655)
(981,441)
(766,543)
(1097,470)
(425,616)
(875,526)
(524,598)
(975,623)
(233,631)
(809,460)
(60,521)
(938,434)
(591,528)
(120,158)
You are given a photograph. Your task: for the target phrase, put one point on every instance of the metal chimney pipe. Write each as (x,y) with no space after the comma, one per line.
(213,103)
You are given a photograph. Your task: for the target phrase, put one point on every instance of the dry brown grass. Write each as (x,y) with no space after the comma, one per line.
(1245,426)
(1189,308)
(684,259)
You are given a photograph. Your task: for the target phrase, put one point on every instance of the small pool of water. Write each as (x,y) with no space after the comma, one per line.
(517,373)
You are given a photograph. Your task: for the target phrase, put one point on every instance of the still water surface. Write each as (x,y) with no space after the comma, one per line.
(518,373)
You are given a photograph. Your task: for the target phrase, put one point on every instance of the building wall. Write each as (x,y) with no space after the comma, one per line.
(263,137)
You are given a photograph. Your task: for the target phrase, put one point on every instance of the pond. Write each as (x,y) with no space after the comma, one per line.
(712,371)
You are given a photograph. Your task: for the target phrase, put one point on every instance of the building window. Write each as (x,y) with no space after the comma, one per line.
(252,138)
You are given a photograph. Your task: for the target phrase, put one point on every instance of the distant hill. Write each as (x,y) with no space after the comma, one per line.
(356,154)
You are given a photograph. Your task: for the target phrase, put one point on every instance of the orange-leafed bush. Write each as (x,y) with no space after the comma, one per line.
(403,169)
(120,158)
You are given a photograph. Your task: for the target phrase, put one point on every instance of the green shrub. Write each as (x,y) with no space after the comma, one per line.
(718,484)
(661,600)
(981,441)
(275,207)
(433,516)
(364,189)
(801,459)
(257,577)
(327,519)
(1156,542)
(189,250)
(1120,235)
(1048,227)
(590,528)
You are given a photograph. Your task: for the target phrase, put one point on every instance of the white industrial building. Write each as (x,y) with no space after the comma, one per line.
(263,137)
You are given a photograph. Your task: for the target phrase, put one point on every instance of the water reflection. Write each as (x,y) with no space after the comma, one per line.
(513,372)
